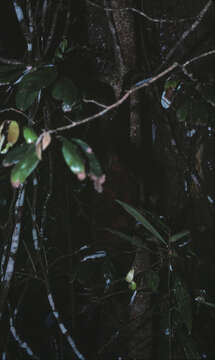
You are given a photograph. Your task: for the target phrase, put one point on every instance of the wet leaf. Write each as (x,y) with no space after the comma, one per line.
(15,155)
(65,90)
(24,167)
(179,236)
(95,171)
(74,159)
(29,135)
(152,280)
(184,305)
(140,218)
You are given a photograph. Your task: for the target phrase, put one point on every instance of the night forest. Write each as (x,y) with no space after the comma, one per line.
(107,189)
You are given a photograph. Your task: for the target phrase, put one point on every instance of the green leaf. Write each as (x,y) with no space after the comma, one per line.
(133,286)
(74,159)
(157,221)
(94,166)
(30,85)
(152,280)
(10,73)
(24,167)
(40,78)
(65,90)
(25,98)
(15,155)
(133,240)
(29,135)
(184,305)
(179,236)
(140,218)
(95,170)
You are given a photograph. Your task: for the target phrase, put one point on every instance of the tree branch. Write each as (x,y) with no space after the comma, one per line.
(119,102)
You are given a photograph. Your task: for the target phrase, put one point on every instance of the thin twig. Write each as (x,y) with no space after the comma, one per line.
(15,110)
(188,62)
(95,102)
(187,32)
(117,103)
(139,12)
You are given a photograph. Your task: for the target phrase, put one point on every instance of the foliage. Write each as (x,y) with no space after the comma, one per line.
(166,279)
(54,247)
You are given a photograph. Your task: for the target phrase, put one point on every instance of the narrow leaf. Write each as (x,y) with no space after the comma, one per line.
(179,236)
(140,218)
(133,240)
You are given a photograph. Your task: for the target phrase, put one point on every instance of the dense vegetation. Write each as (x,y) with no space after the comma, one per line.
(107,124)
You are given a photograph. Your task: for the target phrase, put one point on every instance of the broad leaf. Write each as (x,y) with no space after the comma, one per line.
(74,159)
(39,78)
(29,135)
(24,168)
(15,155)
(65,90)
(95,171)
(30,85)
(25,98)
(140,218)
